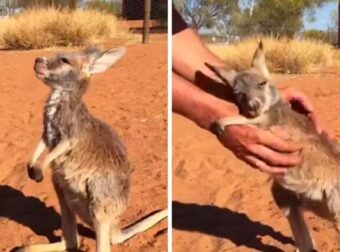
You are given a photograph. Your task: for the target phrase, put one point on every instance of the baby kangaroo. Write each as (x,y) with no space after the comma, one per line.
(90,169)
(315,183)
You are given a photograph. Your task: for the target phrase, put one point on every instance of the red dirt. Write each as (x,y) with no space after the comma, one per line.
(131,97)
(221,204)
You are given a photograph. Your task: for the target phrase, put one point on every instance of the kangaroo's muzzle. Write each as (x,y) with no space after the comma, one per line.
(40,67)
(254,107)
(35,173)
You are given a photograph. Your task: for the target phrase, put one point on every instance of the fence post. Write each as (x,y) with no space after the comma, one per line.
(72,4)
(146,23)
(339,24)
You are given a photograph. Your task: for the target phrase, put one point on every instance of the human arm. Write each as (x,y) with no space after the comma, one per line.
(257,147)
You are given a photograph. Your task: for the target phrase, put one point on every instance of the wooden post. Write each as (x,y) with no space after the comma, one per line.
(72,4)
(339,24)
(146,23)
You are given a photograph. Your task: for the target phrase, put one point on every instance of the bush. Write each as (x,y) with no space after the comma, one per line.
(283,55)
(40,28)
(3,25)
(316,35)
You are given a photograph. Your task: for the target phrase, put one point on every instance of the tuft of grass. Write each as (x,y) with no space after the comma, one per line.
(41,28)
(3,25)
(282,56)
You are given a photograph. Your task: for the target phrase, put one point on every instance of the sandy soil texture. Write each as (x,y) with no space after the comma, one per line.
(131,97)
(221,204)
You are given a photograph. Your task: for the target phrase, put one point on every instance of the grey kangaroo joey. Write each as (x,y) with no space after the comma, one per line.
(90,168)
(315,183)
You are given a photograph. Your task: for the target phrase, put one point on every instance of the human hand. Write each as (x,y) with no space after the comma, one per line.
(301,103)
(265,150)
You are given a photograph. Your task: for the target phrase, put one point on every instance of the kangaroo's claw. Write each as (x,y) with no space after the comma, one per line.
(35,173)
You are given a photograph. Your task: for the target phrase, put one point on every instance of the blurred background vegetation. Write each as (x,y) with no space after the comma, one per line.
(128,9)
(32,24)
(228,20)
(232,29)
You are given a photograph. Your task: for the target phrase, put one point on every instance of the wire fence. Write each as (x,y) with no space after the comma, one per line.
(147,16)
(141,16)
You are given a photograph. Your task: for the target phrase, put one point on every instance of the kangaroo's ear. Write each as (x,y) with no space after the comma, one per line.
(100,62)
(259,61)
(226,76)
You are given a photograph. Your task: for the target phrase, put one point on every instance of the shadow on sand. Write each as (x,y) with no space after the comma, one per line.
(226,224)
(33,213)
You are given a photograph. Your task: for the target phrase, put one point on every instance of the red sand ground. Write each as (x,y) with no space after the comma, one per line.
(131,97)
(220,204)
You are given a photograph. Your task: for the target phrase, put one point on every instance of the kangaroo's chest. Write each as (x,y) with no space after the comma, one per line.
(60,117)
(52,132)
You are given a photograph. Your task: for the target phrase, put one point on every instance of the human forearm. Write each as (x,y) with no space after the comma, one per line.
(193,103)
(190,56)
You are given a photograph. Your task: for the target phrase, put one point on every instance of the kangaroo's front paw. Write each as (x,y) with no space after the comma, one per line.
(34,173)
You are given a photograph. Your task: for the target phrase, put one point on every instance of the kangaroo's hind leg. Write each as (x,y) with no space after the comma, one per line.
(102,225)
(68,217)
(290,205)
(69,240)
(333,203)
(68,226)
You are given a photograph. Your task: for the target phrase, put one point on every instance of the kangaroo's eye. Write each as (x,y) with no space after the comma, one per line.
(65,61)
(262,84)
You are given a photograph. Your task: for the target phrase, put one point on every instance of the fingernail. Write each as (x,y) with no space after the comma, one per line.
(319,128)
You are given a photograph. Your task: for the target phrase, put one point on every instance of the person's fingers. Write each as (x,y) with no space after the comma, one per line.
(320,126)
(331,136)
(293,95)
(274,142)
(317,122)
(274,158)
(303,100)
(262,166)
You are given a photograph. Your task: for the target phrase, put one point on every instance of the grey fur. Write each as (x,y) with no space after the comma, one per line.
(90,168)
(315,183)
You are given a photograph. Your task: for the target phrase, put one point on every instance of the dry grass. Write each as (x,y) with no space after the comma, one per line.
(41,28)
(283,56)
(3,25)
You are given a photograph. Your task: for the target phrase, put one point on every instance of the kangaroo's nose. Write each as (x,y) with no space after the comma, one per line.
(40,60)
(255,104)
